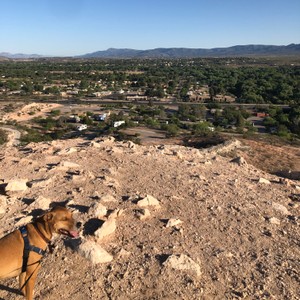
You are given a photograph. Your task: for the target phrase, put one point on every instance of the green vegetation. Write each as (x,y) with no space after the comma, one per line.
(283,123)
(3,137)
(248,80)
(204,81)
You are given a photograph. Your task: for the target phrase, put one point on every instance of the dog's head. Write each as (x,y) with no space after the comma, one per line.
(61,221)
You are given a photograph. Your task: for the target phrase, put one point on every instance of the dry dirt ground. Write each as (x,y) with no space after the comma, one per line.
(283,160)
(240,238)
(30,111)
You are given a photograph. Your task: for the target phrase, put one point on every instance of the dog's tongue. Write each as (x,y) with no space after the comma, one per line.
(73,233)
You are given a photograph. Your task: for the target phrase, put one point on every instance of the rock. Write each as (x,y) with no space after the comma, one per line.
(264,181)
(239,160)
(3,205)
(173,222)
(80,190)
(198,176)
(143,214)
(106,229)
(182,262)
(285,181)
(95,144)
(77,178)
(66,151)
(37,183)
(295,197)
(107,140)
(108,198)
(68,165)
(94,252)
(178,154)
(116,213)
(99,210)
(110,182)
(123,253)
(115,150)
(18,185)
(23,221)
(131,145)
(228,254)
(274,220)
(40,203)
(96,195)
(148,201)
(282,209)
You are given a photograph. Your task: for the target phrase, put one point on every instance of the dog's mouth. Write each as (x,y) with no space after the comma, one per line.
(71,233)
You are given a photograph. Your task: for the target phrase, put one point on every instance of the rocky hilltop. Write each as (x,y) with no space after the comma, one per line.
(157,222)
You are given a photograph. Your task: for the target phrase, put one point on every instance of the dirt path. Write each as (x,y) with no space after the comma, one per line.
(13,136)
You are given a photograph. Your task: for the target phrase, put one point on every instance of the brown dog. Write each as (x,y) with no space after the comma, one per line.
(39,233)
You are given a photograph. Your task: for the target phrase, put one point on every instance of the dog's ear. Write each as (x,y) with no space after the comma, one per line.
(48,216)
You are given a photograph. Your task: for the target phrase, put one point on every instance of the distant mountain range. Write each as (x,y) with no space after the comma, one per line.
(243,50)
(19,55)
(246,50)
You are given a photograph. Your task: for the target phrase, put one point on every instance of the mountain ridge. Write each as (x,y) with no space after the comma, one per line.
(19,55)
(238,50)
(178,52)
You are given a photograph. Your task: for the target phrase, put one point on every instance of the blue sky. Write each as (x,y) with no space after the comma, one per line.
(74,27)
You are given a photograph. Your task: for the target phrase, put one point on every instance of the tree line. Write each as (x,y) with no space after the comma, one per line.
(246,79)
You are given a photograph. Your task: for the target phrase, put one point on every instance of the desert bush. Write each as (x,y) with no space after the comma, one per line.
(3,137)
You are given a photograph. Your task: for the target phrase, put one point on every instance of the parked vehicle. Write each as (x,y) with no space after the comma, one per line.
(81,127)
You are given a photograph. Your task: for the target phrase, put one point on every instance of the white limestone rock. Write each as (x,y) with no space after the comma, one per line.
(23,221)
(184,263)
(108,198)
(17,185)
(94,252)
(68,165)
(274,221)
(66,151)
(173,222)
(99,210)
(264,180)
(40,203)
(116,213)
(3,205)
(39,183)
(106,229)
(280,208)
(148,201)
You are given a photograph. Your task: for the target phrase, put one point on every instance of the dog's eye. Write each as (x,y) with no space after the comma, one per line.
(64,218)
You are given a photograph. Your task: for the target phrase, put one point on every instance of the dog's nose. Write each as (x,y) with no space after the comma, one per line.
(78,224)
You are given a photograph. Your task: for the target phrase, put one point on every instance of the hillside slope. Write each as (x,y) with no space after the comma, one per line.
(239,238)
